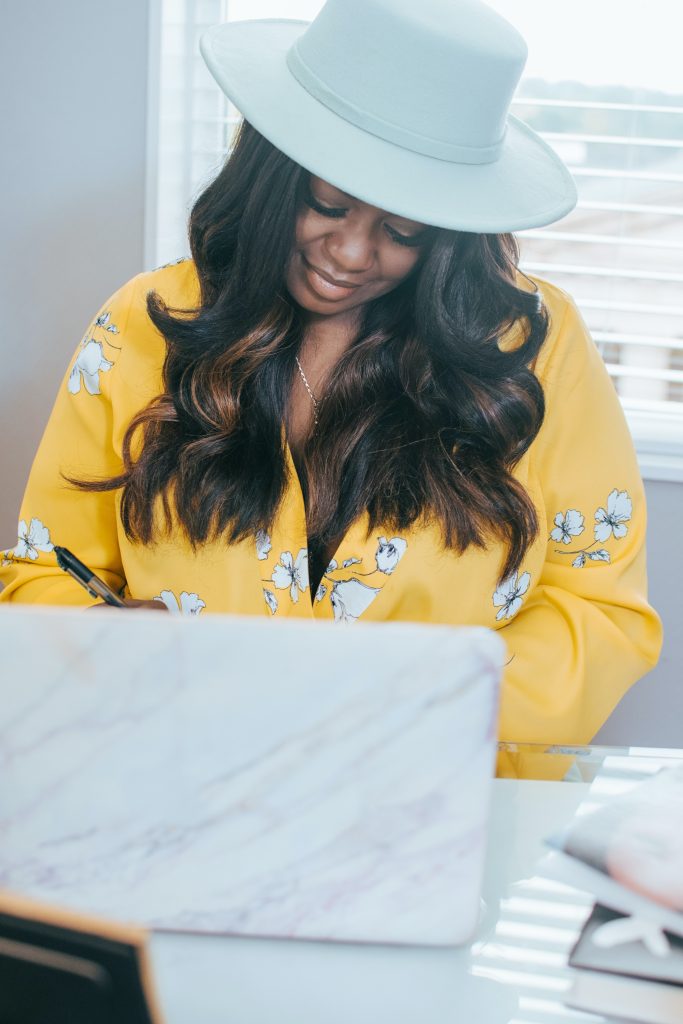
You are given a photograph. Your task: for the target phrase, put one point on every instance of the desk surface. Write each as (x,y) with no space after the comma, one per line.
(514,973)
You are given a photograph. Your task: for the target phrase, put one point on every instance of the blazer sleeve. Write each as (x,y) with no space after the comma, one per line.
(586,632)
(77,441)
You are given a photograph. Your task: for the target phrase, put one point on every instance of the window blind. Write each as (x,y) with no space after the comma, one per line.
(619,253)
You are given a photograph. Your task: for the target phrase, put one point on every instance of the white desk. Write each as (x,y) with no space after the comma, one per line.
(514,972)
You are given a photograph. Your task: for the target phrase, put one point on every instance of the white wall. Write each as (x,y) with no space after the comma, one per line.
(73,86)
(73,77)
(651,713)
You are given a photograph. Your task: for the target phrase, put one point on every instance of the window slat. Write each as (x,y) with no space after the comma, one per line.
(639,108)
(644,372)
(658,211)
(613,140)
(629,307)
(582,236)
(619,175)
(639,340)
(578,268)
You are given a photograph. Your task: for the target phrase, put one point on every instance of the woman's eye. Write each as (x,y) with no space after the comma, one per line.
(329,211)
(405,239)
(326,211)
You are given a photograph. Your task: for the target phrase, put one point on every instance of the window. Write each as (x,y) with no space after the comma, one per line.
(602,86)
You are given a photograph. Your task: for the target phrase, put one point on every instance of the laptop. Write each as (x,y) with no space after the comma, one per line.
(246,776)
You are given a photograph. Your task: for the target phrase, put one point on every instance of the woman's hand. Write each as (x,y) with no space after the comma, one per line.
(130,602)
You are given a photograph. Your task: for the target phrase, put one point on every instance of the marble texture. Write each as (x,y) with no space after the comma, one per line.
(514,972)
(244,776)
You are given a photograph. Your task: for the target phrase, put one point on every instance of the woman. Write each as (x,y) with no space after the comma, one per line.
(433,437)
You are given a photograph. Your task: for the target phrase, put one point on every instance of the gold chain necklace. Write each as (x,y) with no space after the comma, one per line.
(314,400)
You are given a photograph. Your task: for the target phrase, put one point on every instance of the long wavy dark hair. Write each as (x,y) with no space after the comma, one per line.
(424,415)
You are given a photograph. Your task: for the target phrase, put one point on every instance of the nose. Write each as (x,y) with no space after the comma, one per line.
(351,247)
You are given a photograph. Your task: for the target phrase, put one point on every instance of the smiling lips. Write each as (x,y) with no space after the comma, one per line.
(325,287)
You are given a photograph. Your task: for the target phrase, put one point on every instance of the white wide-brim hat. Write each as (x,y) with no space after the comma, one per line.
(403,105)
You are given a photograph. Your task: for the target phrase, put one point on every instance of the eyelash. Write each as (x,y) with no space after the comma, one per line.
(328,211)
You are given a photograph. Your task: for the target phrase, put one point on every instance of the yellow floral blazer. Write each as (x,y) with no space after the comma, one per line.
(576,618)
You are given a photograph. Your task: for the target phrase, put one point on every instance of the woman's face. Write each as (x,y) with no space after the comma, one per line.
(367,249)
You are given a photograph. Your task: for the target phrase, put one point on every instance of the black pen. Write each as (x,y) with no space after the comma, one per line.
(86,577)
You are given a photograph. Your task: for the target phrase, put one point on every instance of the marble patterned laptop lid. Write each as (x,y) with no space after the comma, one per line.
(238,775)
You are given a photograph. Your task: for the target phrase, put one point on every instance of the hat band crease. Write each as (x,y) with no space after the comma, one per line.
(404,137)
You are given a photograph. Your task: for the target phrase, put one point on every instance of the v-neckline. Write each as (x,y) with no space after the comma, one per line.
(294,481)
(353,577)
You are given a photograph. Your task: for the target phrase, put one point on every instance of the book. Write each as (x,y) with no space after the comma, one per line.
(629,852)
(626,980)
(62,967)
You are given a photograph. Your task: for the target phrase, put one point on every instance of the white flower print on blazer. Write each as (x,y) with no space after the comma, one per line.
(567,525)
(609,522)
(389,553)
(32,539)
(263,544)
(350,598)
(612,520)
(508,596)
(292,574)
(189,604)
(89,362)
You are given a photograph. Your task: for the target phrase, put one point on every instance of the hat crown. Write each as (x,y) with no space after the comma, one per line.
(433,77)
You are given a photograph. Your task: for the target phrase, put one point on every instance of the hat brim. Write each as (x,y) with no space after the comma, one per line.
(527,186)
